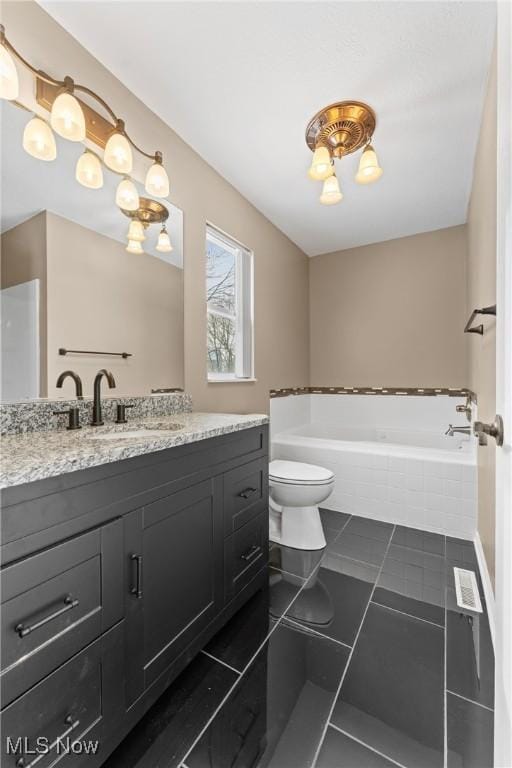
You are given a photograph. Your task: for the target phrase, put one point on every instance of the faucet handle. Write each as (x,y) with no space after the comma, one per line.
(74,417)
(121,412)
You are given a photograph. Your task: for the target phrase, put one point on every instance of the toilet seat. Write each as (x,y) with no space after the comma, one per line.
(297,473)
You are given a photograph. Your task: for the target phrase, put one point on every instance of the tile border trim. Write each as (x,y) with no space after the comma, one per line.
(406,391)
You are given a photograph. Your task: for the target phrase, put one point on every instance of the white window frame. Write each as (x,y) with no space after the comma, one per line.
(244,307)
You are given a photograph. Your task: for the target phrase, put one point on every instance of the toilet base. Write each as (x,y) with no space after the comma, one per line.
(300,528)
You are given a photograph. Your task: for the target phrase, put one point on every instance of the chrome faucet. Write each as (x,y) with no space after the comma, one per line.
(97,417)
(465,430)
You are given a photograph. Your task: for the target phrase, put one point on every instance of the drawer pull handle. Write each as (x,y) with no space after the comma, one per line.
(137,589)
(72,725)
(69,604)
(251,553)
(247,493)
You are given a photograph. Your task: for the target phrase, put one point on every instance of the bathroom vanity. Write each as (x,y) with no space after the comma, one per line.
(116,573)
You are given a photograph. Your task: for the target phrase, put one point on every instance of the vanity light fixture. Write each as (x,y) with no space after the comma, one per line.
(89,172)
(336,131)
(76,121)
(127,197)
(38,140)
(164,241)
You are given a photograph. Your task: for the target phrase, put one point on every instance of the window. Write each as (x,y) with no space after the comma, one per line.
(229,308)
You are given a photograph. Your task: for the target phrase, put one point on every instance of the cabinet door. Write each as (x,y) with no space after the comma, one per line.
(174,575)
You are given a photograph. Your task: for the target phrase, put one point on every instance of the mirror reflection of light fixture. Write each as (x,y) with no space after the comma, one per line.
(118,154)
(369,168)
(88,171)
(9,86)
(331,192)
(75,120)
(136,231)
(164,241)
(38,140)
(67,118)
(157,181)
(134,247)
(336,131)
(127,197)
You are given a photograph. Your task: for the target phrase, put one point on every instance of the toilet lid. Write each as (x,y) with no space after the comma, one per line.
(294,472)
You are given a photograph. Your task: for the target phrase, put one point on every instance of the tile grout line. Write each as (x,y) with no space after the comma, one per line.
(211,656)
(410,615)
(314,632)
(470,701)
(335,698)
(241,674)
(364,744)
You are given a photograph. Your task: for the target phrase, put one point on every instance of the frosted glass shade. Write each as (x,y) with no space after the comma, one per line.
(164,242)
(9,86)
(369,168)
(67,118)
(134,247)
(331,192)
(127,196)
(136,231)
(321,167)
(157,181)
(38,140)
(118,154)
(88,171)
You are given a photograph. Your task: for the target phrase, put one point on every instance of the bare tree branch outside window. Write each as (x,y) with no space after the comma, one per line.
(221,298)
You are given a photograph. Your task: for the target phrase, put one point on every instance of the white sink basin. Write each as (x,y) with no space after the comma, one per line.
(136,434)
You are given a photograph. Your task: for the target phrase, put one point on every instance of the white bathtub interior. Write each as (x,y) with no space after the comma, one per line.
(389,454)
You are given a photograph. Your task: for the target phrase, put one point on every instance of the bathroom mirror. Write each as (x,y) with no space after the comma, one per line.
(68,283)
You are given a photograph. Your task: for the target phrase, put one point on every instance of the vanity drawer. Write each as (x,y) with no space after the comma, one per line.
(245,552)
(75,701)
(56,602)
(245,493)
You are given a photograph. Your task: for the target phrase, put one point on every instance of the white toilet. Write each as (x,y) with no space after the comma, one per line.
(296,490)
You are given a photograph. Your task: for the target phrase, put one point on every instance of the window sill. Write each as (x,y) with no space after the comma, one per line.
(249,380)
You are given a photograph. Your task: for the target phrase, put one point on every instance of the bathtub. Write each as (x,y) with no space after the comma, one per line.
(405,473)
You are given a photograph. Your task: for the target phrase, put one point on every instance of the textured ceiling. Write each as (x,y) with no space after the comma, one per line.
(238,81)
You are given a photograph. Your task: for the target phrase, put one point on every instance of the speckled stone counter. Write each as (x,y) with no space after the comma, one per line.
(36,455)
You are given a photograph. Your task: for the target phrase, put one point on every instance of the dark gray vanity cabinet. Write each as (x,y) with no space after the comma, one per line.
(114,578)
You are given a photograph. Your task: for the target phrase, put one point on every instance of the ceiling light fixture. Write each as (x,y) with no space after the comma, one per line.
(127,197)
(164,241)
(148,212)
(336,131)
(136,231)
(76,121)
(89,172)
(134,247)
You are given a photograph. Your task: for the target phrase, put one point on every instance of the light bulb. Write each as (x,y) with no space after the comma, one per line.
(67,118)
(157,181)
(136,231)
(9,86)
(164,242)
(38,140)
(88,171)
(134,247)
(321,166)
(369,168)
(127,196)
(118,154)
(331,193)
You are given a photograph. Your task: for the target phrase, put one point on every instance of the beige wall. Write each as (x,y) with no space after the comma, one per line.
(391,314)
(281,269)
(481,292)
(23,258)
(102,298)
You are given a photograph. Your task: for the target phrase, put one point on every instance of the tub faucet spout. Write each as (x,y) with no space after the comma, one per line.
(464,430)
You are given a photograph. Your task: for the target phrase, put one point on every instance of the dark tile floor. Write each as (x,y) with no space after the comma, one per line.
(353,657)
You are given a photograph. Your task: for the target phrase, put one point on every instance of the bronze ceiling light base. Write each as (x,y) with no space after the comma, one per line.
(148,212)
(343,128)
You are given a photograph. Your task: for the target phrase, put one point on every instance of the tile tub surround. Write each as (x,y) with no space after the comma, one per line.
(386,477)
(316,671)
(38,416)
(33,456)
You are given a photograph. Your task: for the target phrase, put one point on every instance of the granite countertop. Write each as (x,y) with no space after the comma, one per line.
(37,455)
